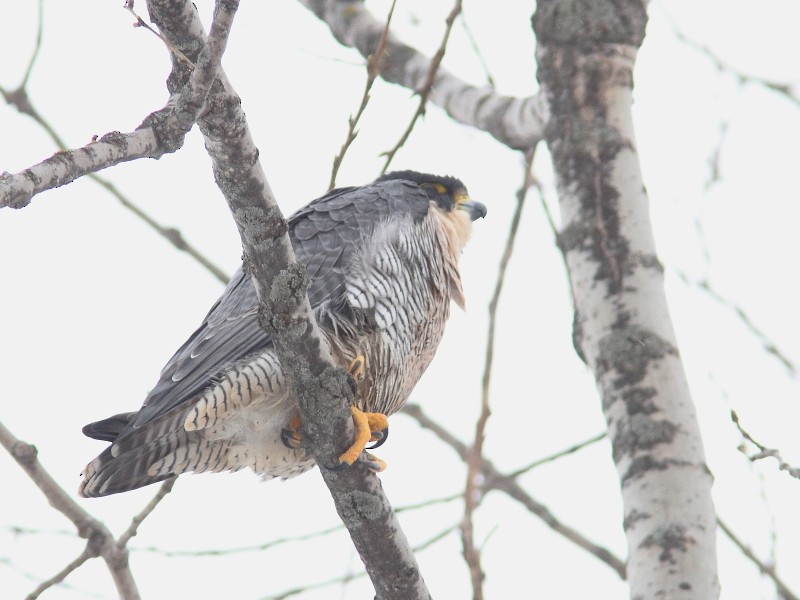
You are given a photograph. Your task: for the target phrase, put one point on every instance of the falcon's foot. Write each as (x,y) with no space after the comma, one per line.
(369,427)
(290,435)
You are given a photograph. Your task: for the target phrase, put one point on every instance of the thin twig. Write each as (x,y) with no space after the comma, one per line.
(36,48)
(133,528)
(475,454)
(64,585)
(783,89)
(765,569)
(769,346)
(374,62)
(763,451)
(242,549)
(474,43)
(347,578)
(62,574)
(170,46)
(495,480)
(284,540)
(560,454)
(425,90)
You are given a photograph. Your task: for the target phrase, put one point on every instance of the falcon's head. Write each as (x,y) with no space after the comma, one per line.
(452,204)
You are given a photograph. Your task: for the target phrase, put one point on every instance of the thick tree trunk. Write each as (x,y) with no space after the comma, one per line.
(586,52)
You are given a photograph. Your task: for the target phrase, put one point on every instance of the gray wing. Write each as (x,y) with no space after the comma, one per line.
(325,234)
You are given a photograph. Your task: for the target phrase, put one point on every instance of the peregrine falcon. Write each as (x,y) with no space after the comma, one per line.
(382,262)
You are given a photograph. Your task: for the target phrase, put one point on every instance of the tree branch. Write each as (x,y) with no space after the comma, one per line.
(763,451)
(161,132)
(475,458)
(516,122)
(285,312)
(424,91)
(21,101)
(495,480)
(767,570)
(100,540)
(373,69)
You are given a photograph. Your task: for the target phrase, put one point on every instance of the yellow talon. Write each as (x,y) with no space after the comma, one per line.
(365,424)
(356,368)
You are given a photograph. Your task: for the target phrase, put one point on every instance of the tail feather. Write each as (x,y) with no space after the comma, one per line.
(126,464)
(109,429)
(107,475)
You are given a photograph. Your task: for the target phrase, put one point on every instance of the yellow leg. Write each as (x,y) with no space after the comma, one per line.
(365,424)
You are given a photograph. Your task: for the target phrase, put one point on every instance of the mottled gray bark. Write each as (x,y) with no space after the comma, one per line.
(281,283)
(586,52)
(516,122)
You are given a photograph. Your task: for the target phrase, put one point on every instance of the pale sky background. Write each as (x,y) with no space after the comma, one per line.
(93,303)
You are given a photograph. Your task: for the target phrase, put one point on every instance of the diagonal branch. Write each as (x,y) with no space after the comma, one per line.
(281,284)
(769,571)
(373,69)
(62,574)
(424,90)
(495,480)
(516,122)
(100,540)
(161,132)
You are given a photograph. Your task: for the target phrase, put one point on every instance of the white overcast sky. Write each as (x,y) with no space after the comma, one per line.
(92,302)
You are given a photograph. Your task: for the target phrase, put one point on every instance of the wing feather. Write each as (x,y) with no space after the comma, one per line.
(326,235)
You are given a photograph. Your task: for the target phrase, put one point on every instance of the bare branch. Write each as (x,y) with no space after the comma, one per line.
(373,69)
(141,23)
(475,455)
(133,528)
(20,100)
(494,480)
(769,346)
(100,540)
(324,389)
(473,42)
(783,89)
(560,454)
(353,576)
(763,451)
(427,84)
(160,133)
(516,122)
(766,569)
(62,574)
(36,48)
(64,167)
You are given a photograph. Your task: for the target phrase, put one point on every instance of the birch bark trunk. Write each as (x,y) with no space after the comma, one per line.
(586,53)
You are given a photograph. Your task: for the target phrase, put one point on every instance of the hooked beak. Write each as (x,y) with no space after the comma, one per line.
(475,209)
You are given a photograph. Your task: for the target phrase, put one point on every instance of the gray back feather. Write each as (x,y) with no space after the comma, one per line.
(325,235)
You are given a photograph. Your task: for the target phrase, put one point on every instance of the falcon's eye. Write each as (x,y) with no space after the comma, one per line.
(440,189)
(461,196)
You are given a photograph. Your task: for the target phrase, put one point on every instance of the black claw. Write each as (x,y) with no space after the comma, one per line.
(288,439)
(339,467)
(384,435)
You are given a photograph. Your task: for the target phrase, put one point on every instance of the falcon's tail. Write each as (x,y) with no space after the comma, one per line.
(127,463)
